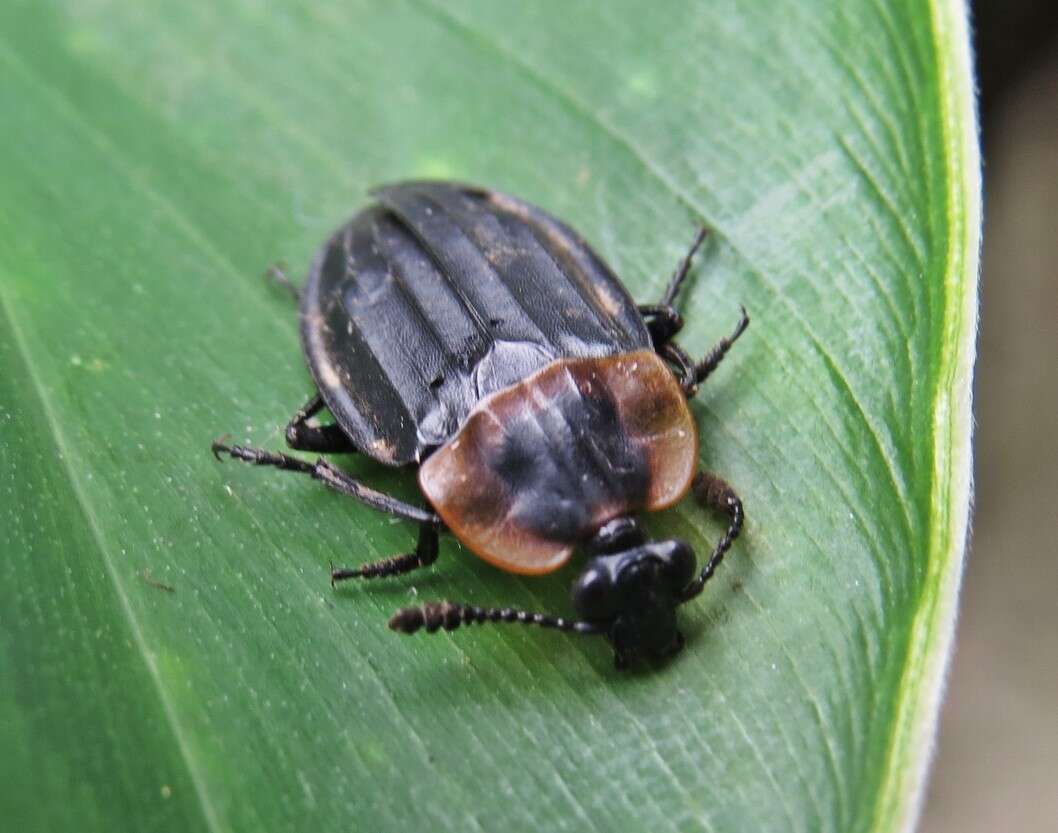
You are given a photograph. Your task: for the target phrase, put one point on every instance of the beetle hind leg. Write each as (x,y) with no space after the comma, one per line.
(304,435)
(680,275)
(663,321)
(276,274)
(425,554)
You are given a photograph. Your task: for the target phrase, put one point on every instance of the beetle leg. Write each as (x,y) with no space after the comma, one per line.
(434,616)
(324,439)
(424,555)
(716,494)
(276,274)
(684,367)
(663,322)
(707,365)
(330,476)
(678,277)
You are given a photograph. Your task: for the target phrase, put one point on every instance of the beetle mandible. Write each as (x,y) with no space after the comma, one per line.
(473,336)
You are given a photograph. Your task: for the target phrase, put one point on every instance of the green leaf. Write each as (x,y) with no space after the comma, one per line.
(156,156)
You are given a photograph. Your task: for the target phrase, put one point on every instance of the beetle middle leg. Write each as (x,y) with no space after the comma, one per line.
(692,373)
(331,476)
(707,365)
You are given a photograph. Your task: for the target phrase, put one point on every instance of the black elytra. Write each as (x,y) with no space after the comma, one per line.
(471,336)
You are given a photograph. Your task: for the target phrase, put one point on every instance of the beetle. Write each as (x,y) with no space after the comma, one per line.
(472,336)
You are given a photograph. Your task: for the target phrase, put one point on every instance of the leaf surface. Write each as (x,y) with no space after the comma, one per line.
(173,655)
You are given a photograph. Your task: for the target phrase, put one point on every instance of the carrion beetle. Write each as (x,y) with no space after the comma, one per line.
(471,335)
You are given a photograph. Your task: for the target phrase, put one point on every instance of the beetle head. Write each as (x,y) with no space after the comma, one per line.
(630,589)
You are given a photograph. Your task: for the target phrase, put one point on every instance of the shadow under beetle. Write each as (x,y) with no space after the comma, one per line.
(475,337)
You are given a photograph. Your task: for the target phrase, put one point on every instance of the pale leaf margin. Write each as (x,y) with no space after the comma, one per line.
(905,778)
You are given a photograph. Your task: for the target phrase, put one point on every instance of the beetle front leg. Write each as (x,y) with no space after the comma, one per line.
(424,555)
(715,493)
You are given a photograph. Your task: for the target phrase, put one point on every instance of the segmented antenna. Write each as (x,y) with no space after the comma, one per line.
(434,616)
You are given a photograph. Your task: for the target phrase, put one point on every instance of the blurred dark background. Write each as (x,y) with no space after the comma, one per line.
(996,765)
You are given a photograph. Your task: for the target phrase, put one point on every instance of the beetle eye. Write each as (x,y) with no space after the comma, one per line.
(678,565)
(593,594)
